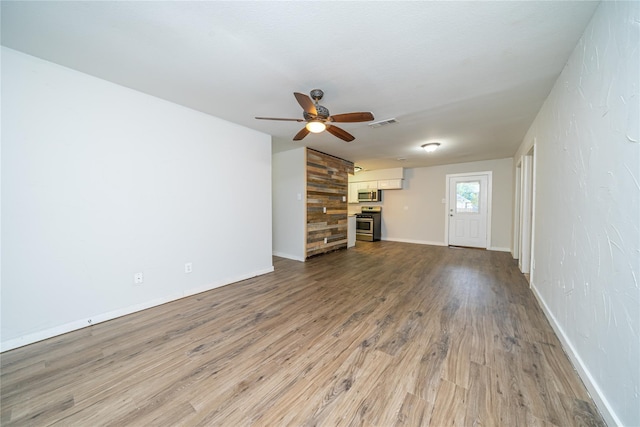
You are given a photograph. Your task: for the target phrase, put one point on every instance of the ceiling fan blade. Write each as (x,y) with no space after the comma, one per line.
(277,118)
(306,103)
(352,117)
(340,133)
(300,135)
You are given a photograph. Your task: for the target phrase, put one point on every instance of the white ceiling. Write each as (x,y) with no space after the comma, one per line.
(471,75)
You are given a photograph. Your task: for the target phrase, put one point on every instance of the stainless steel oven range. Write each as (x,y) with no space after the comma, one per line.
(369,224)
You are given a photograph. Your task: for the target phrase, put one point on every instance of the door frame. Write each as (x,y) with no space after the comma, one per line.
(489,175)
(533,153)
(526,209)
(524,261)
(516,211)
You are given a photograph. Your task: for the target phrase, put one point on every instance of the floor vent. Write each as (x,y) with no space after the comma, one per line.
(383,123)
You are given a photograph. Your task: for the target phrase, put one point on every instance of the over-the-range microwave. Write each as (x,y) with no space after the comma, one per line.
(369,195)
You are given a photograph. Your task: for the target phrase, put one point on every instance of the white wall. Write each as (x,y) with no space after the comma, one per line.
(416,213)
(587,239)
(100,182)
(289,203)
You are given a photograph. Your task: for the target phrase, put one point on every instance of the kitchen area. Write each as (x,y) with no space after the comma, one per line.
(320,204)
(366,190)
(413,202)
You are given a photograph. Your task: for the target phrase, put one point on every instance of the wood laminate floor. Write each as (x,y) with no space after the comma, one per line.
(383,334)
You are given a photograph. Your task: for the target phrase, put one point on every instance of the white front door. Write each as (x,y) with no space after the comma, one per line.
(468,210)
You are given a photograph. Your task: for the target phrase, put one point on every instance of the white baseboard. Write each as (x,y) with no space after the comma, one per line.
(418,242)
(592,387)
(425,242)
(103,317)
(288,256)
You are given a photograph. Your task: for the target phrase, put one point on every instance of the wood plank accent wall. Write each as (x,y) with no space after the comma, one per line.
(327,184)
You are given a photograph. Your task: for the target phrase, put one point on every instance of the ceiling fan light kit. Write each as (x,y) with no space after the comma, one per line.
(315,126)
(430,147)
(319,119)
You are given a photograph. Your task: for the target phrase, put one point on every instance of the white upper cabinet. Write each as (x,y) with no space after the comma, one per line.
(390,184)
(353,192)
(383,179)
(367,185)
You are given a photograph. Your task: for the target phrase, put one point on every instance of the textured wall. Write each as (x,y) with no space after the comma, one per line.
(587,239)
(327,185)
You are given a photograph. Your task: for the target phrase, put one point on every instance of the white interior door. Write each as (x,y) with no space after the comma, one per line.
(468,210)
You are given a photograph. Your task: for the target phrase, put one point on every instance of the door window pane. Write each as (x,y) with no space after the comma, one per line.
(467,197)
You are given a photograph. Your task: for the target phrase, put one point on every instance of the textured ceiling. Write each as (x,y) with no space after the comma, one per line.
(471,75)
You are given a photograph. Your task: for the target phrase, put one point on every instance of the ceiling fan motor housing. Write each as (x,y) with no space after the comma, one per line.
(316,94)
(323,113)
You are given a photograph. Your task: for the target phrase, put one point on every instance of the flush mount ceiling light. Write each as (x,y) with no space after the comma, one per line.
(431,147)
(316,127)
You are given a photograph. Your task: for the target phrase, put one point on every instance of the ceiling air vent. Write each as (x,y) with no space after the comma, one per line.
(383,123)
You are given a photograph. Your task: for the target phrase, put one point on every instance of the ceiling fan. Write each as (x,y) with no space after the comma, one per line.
(318,118)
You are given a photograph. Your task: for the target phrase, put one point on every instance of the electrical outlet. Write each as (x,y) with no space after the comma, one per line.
(324,210)
(325,240)
(138,279)
(188,267)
